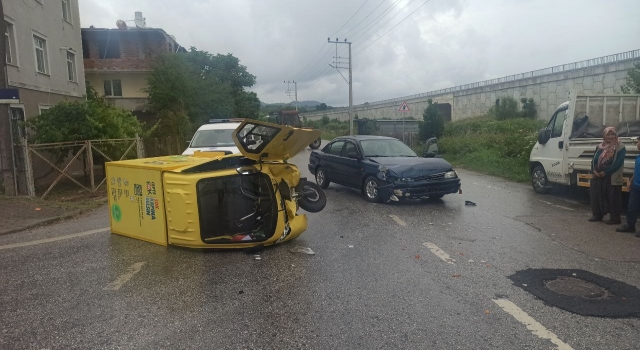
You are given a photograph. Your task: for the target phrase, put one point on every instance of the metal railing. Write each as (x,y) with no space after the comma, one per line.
(594,62)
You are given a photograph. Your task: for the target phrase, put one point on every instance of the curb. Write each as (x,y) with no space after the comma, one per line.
(51,220)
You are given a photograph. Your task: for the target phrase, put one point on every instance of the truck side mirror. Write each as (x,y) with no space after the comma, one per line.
(544,135)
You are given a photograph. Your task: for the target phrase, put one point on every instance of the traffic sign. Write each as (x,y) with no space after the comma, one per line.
(404,107)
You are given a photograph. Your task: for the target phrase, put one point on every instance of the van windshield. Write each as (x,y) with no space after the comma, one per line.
(213,138)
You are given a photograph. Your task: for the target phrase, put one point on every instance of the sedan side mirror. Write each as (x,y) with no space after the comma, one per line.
(429,155)
(353,155)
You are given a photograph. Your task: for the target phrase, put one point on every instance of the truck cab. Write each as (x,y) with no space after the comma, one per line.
(566,145)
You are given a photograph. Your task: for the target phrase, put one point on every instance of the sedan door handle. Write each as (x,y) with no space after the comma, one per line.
(560,144)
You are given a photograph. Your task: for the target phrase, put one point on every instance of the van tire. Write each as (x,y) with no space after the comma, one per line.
(539,180)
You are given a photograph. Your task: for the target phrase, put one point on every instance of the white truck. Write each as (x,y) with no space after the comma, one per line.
(567,144)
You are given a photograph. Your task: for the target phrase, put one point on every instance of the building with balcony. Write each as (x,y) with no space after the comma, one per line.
(117,61)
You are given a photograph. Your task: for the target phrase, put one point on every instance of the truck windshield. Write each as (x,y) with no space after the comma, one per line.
(213,138)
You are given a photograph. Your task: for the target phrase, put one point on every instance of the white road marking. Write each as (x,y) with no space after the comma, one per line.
(439,253)
(557,206)
(125,277)
(54,239)
(534,326)
(398,220)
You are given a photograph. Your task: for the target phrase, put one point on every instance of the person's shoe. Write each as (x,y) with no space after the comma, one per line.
(595,218)
(626,228)
(613,222)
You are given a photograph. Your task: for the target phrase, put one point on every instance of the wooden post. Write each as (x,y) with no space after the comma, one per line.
(156,147)
(31,186)
(178,144)
(140,148)
(90,160)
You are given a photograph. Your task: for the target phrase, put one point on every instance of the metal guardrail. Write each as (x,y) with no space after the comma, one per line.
(594,62)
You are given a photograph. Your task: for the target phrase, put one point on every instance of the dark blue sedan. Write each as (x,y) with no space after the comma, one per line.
(383,168)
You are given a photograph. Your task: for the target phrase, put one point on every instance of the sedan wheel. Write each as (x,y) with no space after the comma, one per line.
(321,178)
(371,190)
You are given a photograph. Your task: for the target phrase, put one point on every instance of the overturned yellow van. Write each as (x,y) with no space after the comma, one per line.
(213,200)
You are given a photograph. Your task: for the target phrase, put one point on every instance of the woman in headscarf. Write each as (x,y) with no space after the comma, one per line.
(606,180)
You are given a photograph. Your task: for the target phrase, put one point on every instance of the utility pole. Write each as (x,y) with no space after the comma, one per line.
(350,81)
(288,92)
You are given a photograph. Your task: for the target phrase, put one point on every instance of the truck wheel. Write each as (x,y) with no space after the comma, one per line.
(316,144)
(539,180)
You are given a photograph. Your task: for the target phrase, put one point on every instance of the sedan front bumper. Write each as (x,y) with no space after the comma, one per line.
(415,190)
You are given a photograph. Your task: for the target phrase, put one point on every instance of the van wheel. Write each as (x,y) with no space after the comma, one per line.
(539,180)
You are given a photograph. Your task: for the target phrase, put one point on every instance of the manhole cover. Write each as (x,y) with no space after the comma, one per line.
(580,292)
(576,287)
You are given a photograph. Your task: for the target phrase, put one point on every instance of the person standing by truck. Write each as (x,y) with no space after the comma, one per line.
(606,182)
(634,198)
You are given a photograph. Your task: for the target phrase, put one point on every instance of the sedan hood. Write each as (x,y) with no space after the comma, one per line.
(413,166)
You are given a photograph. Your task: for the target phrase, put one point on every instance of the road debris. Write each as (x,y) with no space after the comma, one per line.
(417,256)
(350,246)
(257,257)
(471,261)
(456,276)
(303,250)
(469,203)
(487,312)
(241,292)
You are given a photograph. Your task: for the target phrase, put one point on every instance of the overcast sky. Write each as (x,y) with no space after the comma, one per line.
(442,44)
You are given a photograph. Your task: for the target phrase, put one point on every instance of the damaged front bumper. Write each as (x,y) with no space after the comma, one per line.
(415,190)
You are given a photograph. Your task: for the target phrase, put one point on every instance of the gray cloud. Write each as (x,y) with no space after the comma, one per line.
(444,43)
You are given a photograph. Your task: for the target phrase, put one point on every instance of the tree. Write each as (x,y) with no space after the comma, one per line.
(201,86)
(321,107)
(632,85)
(506,108)
(433,122)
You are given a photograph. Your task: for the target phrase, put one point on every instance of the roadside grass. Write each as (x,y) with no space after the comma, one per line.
(491,163)
(489,146)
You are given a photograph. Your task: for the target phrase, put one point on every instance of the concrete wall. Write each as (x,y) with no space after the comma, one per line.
(44,19)
(547,89)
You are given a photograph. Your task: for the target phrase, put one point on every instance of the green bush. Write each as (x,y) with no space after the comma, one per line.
(432,124)
(484,144)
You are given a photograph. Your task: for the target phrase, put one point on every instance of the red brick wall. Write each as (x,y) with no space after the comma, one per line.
(138,51)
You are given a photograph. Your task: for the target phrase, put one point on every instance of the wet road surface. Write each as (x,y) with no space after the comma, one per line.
(415,275)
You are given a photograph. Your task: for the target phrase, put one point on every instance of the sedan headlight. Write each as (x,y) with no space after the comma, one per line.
(450,175)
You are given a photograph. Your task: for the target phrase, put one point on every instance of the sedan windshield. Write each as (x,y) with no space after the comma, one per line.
(386,148)
(213,138)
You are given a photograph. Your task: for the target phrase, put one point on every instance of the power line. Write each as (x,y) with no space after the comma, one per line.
(414,11)
(385,23)
(345,23)
(314,57)
(374,20)
(370,13)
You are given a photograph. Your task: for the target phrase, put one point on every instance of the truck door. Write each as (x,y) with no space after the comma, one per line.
(551,154)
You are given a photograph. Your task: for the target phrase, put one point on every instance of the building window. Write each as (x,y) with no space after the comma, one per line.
(10,43)
(66,10)
(85,49)
(41,54)
(43,108)
(71,66)
(109,48)
(113,88)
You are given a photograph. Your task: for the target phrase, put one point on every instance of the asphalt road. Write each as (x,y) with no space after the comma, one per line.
(380,279)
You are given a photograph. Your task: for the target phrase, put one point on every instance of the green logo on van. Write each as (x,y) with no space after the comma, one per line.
(116,212)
